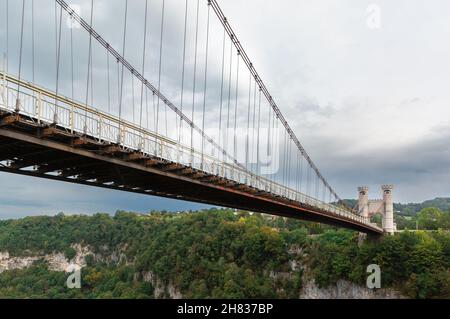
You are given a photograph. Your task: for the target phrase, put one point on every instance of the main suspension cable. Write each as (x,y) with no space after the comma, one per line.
(265,91)
(122,60)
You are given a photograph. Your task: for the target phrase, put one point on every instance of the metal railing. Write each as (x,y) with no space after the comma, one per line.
(45,108)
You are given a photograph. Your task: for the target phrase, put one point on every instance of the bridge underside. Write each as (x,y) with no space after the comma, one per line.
(50,152)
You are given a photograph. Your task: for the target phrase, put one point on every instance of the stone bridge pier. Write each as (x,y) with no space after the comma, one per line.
(384,206)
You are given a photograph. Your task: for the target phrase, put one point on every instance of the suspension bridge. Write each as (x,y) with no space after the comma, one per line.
(173,107)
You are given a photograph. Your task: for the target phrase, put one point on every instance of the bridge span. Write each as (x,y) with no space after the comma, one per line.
(45,135)
(128,135)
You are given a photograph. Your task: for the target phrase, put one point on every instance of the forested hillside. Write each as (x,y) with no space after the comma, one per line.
(213,253)
(428,215)
(411,209)
(442,203)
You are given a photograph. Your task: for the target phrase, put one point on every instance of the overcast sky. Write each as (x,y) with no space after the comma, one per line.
(364,85)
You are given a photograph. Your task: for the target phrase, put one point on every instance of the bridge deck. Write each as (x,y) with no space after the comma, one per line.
(51,152)
(49,136)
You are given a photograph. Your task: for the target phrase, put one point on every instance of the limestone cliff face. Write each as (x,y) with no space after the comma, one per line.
(346,290)
(341,290)
(56,260)
(162,290)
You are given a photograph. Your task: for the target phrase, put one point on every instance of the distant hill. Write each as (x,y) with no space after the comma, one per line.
(411,209)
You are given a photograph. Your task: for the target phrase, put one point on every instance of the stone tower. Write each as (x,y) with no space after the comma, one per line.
(389,226)
(385,206)
(363,201)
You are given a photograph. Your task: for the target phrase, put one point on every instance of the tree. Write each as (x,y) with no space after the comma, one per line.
(70,253)
(429,218)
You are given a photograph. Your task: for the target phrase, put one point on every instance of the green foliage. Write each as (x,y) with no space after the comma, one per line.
(218,254)
(376,219)
(430,218)
(70,253)
(415,263)
(407,215)
(212,253)
(412,209)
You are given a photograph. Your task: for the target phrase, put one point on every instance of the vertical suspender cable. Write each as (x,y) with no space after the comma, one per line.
(286,171)
(258,134)
(143,69)
(20,56)
(132,97)
(183,71)
(109,82)
(308,181)
(33,60)
(221,91)
(146,110)
(58,58)
(71,61)
(266,93)
(235,110)
(21,41)
(119,138)
(277,142)
(254,125)
(92,80)
(118,83)
(7,35)
(248,119)
(297,171)
(288,180)
(58,51)
(194,84)
(301,173)
(284,157)
(159,70)
(56,33)
(274,142)
(317,187)
(122,60)
(205,86)
(89,68)
(268,131)
(229,99)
